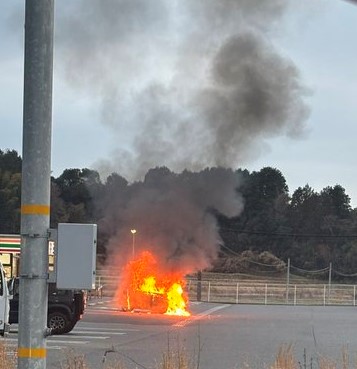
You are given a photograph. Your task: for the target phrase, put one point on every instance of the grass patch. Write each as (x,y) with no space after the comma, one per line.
(8,358)
(178,358)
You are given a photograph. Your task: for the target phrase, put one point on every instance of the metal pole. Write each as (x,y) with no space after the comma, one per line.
(237,294)
(199,285)
(324,294)
(133,232)
(329,282)
(266,294)
(36,174)
(133,245)
(287,281)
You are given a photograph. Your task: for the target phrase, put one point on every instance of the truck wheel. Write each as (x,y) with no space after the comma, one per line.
(58,322)
(69,327)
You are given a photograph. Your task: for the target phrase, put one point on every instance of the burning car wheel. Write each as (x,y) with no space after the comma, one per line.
(58,322)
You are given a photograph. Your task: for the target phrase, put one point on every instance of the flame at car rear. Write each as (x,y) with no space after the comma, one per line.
(147,287)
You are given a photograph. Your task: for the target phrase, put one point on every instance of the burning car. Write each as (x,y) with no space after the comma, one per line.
(144,287)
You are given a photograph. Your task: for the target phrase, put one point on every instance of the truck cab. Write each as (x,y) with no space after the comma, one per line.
(65,307)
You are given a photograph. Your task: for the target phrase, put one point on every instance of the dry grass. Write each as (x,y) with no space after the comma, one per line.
(7,357)
(326,363)
(115,366)
(74,361)
(285,358)
(178,358)
(175,360)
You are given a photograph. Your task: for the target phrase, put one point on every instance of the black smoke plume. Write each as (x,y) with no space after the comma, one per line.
(173,215)
(184,84)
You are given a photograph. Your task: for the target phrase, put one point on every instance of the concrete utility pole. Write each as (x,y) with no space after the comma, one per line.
(36,175)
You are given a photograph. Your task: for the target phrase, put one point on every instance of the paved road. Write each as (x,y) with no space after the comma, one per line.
(220,336)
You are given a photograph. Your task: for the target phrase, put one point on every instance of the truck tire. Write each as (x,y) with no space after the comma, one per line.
(69,327)
(58,322)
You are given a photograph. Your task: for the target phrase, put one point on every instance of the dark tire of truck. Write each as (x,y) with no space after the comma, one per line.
(58,322)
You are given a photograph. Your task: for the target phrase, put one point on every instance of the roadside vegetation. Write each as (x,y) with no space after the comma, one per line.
(179,359)
(7,357)
(310,228)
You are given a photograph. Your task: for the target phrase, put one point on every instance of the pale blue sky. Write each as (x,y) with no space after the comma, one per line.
(318,36)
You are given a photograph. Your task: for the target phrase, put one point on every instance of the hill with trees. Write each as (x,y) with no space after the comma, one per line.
(311,228)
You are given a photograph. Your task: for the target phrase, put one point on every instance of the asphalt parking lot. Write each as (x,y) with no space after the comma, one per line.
(219,336)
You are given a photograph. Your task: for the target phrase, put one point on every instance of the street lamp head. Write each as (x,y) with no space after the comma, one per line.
(133,231)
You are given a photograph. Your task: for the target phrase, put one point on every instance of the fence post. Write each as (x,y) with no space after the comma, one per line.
(287,281)
(199,286)
(354,295)
(329,283)
(295,296)
(324,294)
(237,294)
(209,292)
(266,294)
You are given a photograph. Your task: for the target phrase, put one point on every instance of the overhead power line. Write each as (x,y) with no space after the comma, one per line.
(292,235)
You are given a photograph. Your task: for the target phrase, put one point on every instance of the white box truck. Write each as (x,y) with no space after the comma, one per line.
(4,303)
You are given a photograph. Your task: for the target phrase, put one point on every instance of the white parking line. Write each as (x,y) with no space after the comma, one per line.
(68,341)
(192,318)
(55,347)
(86,336)
(107,329)
(7,339)
(104,332)
(12,341)
(216,308)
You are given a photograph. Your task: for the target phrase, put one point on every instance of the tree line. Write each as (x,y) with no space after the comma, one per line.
(309,227)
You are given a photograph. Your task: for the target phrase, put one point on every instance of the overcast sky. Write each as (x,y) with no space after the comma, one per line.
(237,83)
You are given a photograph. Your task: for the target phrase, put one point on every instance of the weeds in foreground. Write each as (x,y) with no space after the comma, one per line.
(175,360)
(179,359)
(74,361)
(285,358)
(7,357)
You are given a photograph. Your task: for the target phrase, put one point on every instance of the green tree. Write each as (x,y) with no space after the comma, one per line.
(266,199)
(10,161)
(10,202)
(77,188)
(10,191)
(335,201)
(59,213)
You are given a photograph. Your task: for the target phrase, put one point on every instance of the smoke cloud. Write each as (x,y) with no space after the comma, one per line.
(173,215)
(185,85)
(182,83)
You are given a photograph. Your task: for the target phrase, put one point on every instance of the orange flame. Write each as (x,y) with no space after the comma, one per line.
(176,304)
(149,286)
(144,287)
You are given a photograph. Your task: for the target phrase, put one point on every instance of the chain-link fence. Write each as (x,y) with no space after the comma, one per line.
(237,289)
(258,292)
(269,282)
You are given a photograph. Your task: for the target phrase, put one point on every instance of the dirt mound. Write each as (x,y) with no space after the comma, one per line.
(249,262)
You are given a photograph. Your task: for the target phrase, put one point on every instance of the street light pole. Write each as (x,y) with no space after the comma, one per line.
(133,231)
